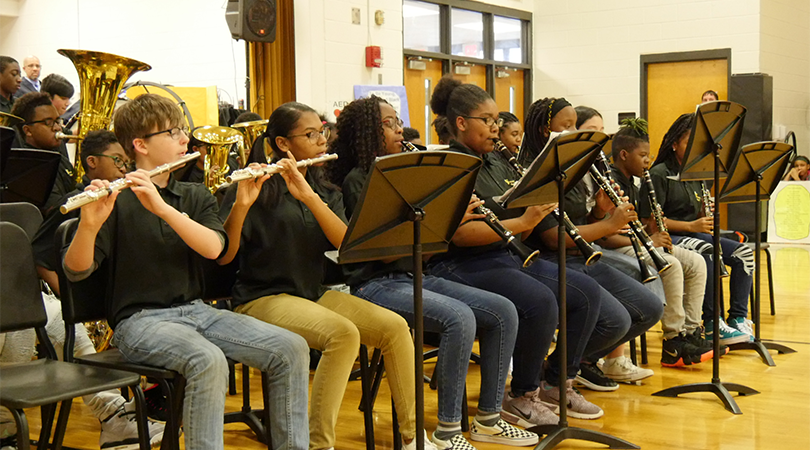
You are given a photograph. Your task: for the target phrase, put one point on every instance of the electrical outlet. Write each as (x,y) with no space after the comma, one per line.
(356,16)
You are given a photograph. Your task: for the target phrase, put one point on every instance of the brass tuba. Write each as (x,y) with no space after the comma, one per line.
(219,141)
(251,131)
(101,78)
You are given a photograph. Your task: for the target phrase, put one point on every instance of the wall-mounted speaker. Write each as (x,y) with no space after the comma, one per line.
(252,20)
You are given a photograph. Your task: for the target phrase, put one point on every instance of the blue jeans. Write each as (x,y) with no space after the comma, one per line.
(740,281)
(455,311)
(194,339)
(628,265)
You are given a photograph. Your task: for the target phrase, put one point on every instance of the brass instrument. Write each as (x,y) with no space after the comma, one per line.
(706,198)
(220,140)
(590,254)
(250,132)
(249,173)
(79,200)
(101,78)
(10,120)
(655,207)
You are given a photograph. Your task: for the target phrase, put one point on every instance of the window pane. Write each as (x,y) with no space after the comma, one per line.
(468,33)
(508,45)
(420,21)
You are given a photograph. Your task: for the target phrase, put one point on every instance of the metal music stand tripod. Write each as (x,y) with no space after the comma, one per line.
(711,153)
(557,169)
(411,204)
(756,175)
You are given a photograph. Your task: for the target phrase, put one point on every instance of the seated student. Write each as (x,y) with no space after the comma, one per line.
(685,281)
(709,96)
(478,257)
(39,131)
(412,135)
(453,310)
(155,236)
(281,229)
(623,298)
(682,204)
(442,129)
(10,80)
(799,169)
(511,132)
(59,89)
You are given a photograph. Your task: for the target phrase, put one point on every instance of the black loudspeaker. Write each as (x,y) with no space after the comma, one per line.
(755,92)
(252,20)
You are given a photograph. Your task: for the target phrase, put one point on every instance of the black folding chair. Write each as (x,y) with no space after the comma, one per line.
(24,215)
(45,382)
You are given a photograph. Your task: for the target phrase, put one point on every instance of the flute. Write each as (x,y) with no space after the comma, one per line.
(79,200)
(248,173)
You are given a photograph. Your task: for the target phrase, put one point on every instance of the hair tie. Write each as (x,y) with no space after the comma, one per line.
(554,108)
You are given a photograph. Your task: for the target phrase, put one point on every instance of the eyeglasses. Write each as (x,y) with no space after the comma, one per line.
(488,121)
(175,133)
(117,161)
(393,123)
(49,122)
(314,136)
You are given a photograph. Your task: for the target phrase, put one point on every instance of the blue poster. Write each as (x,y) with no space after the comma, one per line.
(395,95)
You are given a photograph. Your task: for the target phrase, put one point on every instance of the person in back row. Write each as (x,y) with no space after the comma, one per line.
(10,80)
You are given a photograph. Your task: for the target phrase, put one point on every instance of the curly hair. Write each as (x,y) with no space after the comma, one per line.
(442,129)
(680,127)
(361,137)
(537,120)
(26,106)
(632,133)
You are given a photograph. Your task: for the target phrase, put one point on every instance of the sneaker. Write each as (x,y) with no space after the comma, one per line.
(120,430)
(8,443)
(728,335)
(457,442)
(742,325)
(623,369)
(412,446)
(592,377)
(526,410)
(696,338)
(502,433)
(578,406)
(156,404)
(679,352)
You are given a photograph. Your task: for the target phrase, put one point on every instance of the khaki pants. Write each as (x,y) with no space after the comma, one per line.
(684,285)
(336,325)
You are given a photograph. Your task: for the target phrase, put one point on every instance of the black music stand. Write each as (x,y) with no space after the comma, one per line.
(556,170)
(411,203)
(756,175)
(27,175)
(712,150)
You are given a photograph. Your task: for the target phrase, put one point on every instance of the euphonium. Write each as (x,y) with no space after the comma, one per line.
(10,120)
(101,78)
(219,142)
(250,132)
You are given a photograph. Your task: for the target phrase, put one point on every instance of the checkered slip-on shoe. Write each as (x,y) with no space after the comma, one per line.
(502,433)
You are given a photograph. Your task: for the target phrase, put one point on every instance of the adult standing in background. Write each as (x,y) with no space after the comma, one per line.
(30,82)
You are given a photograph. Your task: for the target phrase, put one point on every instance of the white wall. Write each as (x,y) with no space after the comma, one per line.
(186,42)
(785,42)
(589,51)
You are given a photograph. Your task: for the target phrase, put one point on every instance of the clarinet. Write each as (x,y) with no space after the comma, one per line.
(514,245)
(657,211)
(635,226)
(591,255)
(706,198)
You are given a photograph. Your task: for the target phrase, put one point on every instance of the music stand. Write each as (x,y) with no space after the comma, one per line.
(556,170)
(415,201)
(27,175)
(713,149)
(756,175)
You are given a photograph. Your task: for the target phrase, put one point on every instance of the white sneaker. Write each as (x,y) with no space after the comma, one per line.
(120,430)
(429,445)
(623,369)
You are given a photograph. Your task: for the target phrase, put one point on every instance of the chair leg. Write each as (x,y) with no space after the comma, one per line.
(644,348)
(395,426)
(633,356)
(23,436)
(48,414)
(465,415)
(770,281)
(231,377)
(144,438)
(61,424)
(365,401)
(266,413)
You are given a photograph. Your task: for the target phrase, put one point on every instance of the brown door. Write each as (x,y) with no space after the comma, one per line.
(509,91)
(419,84)
(477,75)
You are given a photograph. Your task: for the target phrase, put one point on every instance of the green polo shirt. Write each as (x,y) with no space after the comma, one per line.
(680,200)
(282,245)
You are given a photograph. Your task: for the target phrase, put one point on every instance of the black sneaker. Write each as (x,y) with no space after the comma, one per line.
(156,404)
(696,338)
(679,352)
(592,377)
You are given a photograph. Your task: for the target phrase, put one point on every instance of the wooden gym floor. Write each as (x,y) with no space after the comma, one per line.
(777,418)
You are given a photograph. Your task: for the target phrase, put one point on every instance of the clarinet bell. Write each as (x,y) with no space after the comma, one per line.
(593,258)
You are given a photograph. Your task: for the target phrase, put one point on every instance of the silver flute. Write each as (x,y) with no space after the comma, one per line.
(249,173)
(79,200)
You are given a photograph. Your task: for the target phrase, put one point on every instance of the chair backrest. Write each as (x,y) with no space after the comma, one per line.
(21,305)
(82,301)
(24,215)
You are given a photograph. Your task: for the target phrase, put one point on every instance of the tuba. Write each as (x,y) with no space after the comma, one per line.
(251,131)
(219,141)
(101,78)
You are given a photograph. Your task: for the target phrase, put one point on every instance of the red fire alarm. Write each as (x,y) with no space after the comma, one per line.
(373,56)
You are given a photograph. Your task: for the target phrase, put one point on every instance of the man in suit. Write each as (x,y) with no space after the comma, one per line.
(30,82)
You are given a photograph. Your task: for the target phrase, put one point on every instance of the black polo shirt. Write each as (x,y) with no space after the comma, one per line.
(282,245)
(45,254)
(628,185)
(150,266)
(680,200)
(577,206)
(6,104)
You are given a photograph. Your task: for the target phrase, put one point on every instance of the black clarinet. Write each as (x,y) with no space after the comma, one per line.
(706,198)
(635,226)
(590,254)
(514,244)
(655,207)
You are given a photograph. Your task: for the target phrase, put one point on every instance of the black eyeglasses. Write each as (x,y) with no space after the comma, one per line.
(393,123)
(117,161)
(488,121)
(49,122)
(175,133)
(314,136)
